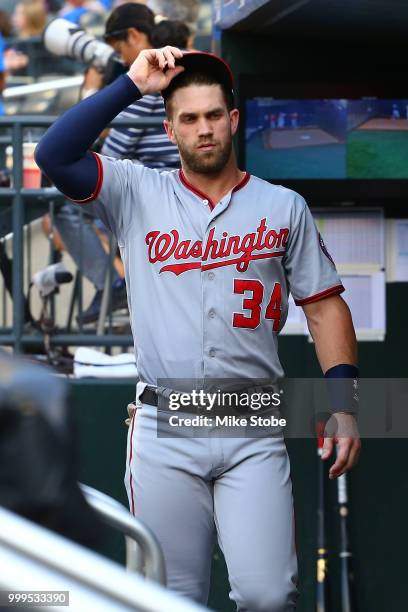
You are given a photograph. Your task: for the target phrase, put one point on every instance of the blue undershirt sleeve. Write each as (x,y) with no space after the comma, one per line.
(63,152)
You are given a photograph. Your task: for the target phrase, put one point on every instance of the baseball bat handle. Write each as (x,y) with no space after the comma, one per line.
(322,594)
(347,590)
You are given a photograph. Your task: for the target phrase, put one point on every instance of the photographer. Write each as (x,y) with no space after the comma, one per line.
(148,146)
(129,30)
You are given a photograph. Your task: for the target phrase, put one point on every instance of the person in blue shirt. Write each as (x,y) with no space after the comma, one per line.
(107,4)
(77,10)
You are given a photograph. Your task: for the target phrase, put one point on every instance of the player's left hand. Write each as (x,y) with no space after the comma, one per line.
(341,429)
(131,409)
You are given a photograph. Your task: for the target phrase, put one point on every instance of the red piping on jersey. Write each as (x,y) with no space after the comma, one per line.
(99,182)
(319,296)
(184,267)
(242,183)
(130,464)
(202,195)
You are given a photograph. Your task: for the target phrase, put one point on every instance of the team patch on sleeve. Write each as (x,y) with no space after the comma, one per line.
(324,249)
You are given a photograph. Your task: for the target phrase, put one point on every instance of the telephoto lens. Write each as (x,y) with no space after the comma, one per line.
(66,39)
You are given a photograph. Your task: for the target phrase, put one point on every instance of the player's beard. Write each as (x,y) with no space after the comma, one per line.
(210,162)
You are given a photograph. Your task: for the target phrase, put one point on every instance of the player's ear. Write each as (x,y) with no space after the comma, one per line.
(234,118)
(168,126)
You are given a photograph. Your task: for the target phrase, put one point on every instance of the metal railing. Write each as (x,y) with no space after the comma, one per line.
(19,195)
(34,558)
(42,62)
(151,560)
(34,88)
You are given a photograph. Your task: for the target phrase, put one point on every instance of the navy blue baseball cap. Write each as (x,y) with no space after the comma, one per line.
(206,63)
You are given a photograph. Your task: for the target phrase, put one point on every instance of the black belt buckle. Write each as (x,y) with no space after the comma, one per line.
(149,396)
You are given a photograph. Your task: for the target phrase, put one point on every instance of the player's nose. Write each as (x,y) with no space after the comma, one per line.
(204,126)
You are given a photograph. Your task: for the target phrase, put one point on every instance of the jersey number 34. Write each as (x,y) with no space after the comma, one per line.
(254,304)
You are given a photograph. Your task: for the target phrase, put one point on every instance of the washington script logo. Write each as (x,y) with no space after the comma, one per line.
(163,246)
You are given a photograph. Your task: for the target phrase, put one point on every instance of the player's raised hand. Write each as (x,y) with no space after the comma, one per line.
(153,69)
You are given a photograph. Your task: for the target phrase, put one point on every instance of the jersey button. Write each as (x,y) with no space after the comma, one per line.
(211,314)
(205,202)
(212,352)
(211,275)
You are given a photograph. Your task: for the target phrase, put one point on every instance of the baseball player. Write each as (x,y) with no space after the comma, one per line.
(210,255)
(395,114)
(281,120)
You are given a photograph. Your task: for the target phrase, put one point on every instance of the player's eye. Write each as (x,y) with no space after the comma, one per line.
(215,114)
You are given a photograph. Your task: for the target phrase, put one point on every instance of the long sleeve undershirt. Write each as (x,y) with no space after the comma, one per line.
(63,152)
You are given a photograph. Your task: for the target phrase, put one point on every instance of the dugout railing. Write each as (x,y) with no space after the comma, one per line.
(143,552)
(26,204)
(36,560)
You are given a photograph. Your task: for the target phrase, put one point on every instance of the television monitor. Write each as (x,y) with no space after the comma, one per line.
(327,141)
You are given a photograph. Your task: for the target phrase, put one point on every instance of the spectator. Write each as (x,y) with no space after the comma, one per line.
(27,54)
(12,59)
(149,146)
(29,19)
(174,33)
(79,10)
(178,10)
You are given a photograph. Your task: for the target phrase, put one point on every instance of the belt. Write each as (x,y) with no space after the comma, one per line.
(150,397)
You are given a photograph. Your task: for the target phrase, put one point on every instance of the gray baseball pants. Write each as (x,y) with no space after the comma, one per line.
(189,490)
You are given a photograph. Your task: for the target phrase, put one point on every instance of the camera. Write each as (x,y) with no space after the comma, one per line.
(66,39)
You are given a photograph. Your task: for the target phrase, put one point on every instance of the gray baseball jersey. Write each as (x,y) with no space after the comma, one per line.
(208,285)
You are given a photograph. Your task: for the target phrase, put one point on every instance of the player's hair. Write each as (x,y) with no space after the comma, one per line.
(185,79)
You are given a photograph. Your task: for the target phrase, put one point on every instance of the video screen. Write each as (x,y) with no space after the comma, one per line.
(327,138)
